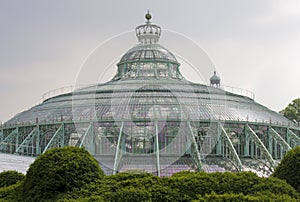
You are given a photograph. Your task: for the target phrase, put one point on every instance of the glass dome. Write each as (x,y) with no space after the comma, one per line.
(148,52)
(148,117)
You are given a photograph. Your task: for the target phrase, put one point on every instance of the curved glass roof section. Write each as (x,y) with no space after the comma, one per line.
(148,85)
(148,52)
(135,100)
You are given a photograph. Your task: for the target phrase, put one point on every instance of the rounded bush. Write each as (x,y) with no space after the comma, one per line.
(130,194)
(289,168)
(60,170)
(10,177)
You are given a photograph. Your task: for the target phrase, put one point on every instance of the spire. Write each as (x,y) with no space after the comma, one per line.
(148,33)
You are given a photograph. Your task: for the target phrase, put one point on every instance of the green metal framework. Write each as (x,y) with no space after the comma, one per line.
(29,139)
(232,154)
(149,117)
(195,150)
(57,140)
(250,146)
(292,138)
(119,150)
(262,150)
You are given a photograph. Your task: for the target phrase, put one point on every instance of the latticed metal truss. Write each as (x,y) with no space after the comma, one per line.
(192,145)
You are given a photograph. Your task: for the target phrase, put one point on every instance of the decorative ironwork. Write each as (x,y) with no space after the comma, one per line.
(149,117)
(232,152)
(261,146)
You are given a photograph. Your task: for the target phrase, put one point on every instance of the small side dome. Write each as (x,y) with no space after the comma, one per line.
(215,80)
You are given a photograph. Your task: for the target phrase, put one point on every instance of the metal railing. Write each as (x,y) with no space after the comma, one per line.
(68,89)
(239,91)
(62,90)
(57,91)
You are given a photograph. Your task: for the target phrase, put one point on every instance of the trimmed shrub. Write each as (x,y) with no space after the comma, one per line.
(10,177)
(289,168)
(9,193)
(130,194)
(242,182)
(128,176)
(87,199)
(188,186)
(163,193)
(241,197)
(157,187)
(58,171)
(193,184)
(275,186)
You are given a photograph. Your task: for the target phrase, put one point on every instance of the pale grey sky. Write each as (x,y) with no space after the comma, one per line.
(254,44)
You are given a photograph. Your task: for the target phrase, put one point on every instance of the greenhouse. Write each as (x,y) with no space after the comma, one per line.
(150,118)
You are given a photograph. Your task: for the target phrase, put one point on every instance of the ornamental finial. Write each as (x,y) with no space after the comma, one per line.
(148,16)
(148,33)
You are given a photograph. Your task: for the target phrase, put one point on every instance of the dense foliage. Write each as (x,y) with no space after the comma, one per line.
(60,170)
(292,111)
(9,193)
(289,168)
(187,186)
(241,197)
(72,175)
(8,178)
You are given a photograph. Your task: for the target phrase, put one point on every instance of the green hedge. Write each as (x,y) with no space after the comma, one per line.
(213,197)
(193,184)
(10,177)
(71,174)
(188,186)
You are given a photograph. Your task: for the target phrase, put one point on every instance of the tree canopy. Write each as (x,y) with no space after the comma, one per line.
(292,111)
(289,168)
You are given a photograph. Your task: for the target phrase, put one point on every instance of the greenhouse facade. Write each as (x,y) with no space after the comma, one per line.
(150,118)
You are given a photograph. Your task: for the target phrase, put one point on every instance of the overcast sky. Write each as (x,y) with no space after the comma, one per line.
(253,44)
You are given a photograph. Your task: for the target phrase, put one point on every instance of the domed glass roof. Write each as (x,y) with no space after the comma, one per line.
(148,52)
(149,117)
(125,99)
(148,59)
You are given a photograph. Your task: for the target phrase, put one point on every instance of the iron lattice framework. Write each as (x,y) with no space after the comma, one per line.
(148,117)
(230,145)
